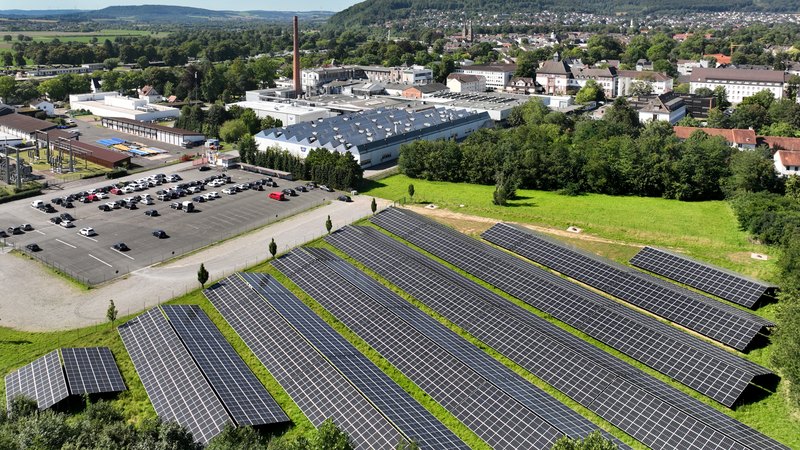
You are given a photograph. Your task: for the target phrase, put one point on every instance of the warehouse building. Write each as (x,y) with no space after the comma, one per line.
(287,113)
(156,132)
(111,104)
(374,137)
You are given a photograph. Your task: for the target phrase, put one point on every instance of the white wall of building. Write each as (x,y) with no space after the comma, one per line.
(736,92)
(288,114)
(783,170)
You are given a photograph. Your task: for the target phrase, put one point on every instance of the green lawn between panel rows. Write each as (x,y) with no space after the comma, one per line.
(705,230)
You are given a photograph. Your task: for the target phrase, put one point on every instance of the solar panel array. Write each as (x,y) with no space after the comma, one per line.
(42,380)
(721,322)
(385,302)
(494,416)
(705,277)
(698,364)
(583,379)
(373,246)
(173,382)
(313,384)
(397,405)
(91,370)
(245,398)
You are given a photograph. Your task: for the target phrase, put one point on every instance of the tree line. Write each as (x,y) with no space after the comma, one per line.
(338,170)
(615,155)
(774,220)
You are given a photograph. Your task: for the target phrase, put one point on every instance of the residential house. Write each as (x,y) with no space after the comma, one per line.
(554,76)
(665,107)
(739,83)
(44,105)
(787,162)
(523,85)
(150,93)
(736,138)
(722,60)
(658,81)
(463,83)
(605,78)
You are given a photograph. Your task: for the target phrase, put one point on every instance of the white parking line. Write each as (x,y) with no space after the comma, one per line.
(123,254)
(68,245)
(95,257)
(40,232)
(87,237)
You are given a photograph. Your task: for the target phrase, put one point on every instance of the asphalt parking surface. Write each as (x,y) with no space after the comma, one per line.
(93,261)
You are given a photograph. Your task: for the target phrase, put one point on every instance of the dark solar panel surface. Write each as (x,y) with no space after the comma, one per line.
(42,380)
(313,384)
(91,370)
(542,404)
(396,404)
(374,246)
(721,322)
(705,277)
(700,365)
(495,417)
(173,381)
(245,398)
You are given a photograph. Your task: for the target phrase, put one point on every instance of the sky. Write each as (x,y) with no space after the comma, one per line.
(233,5)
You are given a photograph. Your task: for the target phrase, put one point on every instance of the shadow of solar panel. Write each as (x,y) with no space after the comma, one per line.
(173,381)
(313,384)
(494,416)
(42,380)
(723,283)
(414,421)
(244,397)
(698,364)
(552,411)
(91,370)
(704,315)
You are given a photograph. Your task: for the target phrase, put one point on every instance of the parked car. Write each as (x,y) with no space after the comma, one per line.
(204,168)
(325,188)
(160,234)
(344,198)
(199,199)
(88,231)
(33,247)
(48,208)
(131,205)
(37,204)
(151,213)
(3,234)
(176,205)
(26,227)
(277,196)
(67,216)
(229,191)
(67,224)
(104,207)
(301,188)
(57,200)
(214,194)
(290,192)
(120,246)
(14,230)
(55,220)
(68,205)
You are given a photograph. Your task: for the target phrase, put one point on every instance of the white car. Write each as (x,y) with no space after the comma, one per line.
(113,205)
(67,224)
(229,191)
(208,197)
(88,231)
(128,190)
(213,194)
(101,195)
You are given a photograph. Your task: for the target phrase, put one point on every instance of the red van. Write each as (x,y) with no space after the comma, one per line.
(277,196)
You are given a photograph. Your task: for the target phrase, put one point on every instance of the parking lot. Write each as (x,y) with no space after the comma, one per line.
(92,260)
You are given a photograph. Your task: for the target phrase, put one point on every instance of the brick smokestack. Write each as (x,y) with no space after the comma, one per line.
(298,88)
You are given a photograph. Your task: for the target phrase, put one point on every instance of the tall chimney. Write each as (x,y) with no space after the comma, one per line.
(298,88)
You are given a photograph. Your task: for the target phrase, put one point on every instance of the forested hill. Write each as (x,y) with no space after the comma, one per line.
(378,11)
(168,14)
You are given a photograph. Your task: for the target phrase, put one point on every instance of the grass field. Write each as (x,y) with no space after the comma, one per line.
(77,36)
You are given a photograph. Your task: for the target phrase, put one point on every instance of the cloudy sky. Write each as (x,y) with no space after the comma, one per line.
(235,5)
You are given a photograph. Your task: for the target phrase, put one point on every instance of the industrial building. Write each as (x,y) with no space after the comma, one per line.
(111,104)
(374,137)
(156,132)
(287,113)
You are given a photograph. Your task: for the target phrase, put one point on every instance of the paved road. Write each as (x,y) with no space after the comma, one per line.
(33,299)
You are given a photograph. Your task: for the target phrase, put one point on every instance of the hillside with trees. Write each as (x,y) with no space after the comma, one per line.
(379,11)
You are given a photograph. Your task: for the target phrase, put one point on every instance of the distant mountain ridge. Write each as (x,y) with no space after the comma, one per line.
(163,13)
(372,12)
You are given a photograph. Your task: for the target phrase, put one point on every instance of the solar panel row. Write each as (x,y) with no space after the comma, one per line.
(42,380)
(397,405)
(388,253)
(719,321)
(384,301)
(553,362)
(314,385)
(245,398)
(700,365)
(705,277)
(491,414)
(91,370)
(173,382)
